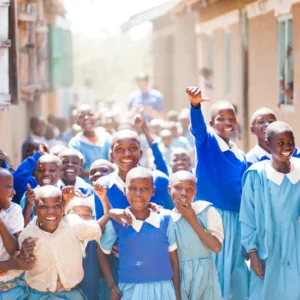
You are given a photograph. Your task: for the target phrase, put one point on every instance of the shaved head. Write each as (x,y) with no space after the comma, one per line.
(4,173)
(139,173)
(261,112)
(220,105)
(47,191)
(181,176)
(276,128)
(125,134)
(50,158)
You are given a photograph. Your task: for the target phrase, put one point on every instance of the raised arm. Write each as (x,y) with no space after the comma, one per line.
(198,125)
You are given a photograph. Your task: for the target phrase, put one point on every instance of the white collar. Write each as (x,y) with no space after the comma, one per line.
(79,183)
(117,180)
(198,207)
(59,185)
(277,177)
(225,147)
(101,135)
(4,212)
(153,219)
(260,152)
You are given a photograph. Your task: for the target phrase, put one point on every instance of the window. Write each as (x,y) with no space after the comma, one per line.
(8,55)
(227,61)
(285,60)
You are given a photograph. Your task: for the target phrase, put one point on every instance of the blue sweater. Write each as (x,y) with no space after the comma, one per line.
(118,199)
(23,176)
(219,174)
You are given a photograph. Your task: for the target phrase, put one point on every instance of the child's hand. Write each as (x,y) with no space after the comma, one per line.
(139,120)
(186,211)
(2,158)
(154,207)
(256,265)
(195,95)
(30,195)
(22,264)
(120,216)
(27,248)
(100,190)
(43,148)
(115,251)
(115,293)
(68,193)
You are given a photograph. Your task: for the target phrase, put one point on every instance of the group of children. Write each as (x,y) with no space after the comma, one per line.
(88,222)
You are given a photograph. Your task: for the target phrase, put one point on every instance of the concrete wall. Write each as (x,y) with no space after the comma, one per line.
(174,57)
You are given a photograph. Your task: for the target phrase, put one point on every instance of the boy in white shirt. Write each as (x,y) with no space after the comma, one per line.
(58,250)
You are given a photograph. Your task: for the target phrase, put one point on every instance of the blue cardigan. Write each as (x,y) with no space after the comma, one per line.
(219,173)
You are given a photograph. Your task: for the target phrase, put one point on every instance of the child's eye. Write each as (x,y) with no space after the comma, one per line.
(221,119)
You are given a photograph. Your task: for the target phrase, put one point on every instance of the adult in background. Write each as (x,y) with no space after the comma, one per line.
(150,99)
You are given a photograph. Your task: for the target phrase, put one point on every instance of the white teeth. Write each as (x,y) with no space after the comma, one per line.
(126,161)
(70,171)
(51,219)
(46,181)
(286,154)
(228,129)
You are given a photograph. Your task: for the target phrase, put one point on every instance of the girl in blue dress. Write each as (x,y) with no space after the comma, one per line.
(219,170)
(199,234)
(269,219)
(149,267)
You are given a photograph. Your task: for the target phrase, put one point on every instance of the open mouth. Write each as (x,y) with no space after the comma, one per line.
(51,219)
(126,161)
(71,171)
(46,181)
(286,153)
(228,129)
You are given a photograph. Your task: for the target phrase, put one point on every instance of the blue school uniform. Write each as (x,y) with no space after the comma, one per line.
(23,176)
(258,154)
(14,289)
(269,212)
(74,294)
(198,275)
(219,172)
(90,151)
(91,267)
(115,191)
(145,272)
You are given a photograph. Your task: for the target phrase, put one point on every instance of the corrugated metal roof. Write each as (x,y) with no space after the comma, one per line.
(149,15)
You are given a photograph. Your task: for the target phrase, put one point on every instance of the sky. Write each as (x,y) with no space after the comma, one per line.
(89,17)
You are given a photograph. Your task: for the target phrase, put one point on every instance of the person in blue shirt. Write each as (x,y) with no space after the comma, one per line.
(199,234)
(92,144)
(269,218)
(72,162)
(24,174)
(126,153)
(149,267)
(150,99)
(260,120)
(219,170)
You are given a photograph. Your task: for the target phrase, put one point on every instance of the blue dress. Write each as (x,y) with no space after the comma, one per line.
(198,275)
(269,212)
(219,171)
(74,294)
(19,291)
(143,273)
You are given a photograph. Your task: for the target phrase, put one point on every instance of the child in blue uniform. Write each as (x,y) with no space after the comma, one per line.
(126,153)
(47,172)
(150,270)
(260,120)
(199,233)
(219,170)
(269,219)
(12,285)
(92,144)
(72,162)
(180,160)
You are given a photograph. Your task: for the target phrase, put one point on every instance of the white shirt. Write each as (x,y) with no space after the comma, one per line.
(14,221)
(59,254)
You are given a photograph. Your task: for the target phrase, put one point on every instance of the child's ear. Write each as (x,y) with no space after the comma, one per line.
(211,123)
(141,153)
(61,175)
(111,154)
(252,130)
(267,143)
(169,190)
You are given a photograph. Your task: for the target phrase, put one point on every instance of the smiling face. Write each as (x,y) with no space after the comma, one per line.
(49,213)
(260,124)
(139,192)
(71,167)
(180,160)
(7,191)
(282,146)
(86,119)
(47,173)
(183,188)
(84,212)
(224,123)
(126,153)
(99,169)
